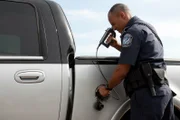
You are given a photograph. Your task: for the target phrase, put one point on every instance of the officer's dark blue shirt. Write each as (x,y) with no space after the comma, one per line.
(139,43)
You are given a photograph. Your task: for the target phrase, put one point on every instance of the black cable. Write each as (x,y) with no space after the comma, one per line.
(99,65)
(103,74)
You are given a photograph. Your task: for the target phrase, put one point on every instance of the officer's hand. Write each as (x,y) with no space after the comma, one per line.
(103,91)
(112,41)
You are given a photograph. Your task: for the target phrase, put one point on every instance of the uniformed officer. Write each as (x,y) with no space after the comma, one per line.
(139,42)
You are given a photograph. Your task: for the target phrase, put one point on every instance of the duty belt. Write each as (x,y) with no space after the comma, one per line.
(144,76)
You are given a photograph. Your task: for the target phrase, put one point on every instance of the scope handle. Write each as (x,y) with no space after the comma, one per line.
(106,34)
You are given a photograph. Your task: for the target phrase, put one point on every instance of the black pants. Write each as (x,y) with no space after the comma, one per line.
(146,107)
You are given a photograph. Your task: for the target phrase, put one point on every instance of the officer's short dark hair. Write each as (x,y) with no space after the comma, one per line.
(119,7)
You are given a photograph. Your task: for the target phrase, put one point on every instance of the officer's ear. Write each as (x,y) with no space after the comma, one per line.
(123,15)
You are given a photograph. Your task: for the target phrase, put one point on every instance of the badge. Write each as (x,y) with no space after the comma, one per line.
(127,40)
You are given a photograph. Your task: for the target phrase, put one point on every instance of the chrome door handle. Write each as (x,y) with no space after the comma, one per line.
(29,76)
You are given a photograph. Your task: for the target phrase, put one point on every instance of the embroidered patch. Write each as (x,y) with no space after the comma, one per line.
(127,40)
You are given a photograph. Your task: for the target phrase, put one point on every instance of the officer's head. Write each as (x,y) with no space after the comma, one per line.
(119,15)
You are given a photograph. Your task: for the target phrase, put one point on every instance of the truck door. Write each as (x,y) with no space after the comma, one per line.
(30,69)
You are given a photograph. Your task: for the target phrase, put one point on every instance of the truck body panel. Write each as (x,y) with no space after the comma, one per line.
(88,77)
(30,100)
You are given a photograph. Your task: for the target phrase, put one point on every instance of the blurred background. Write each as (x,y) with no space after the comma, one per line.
(88,21)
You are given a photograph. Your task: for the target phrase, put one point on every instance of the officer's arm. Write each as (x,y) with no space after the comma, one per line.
(118,47)
(131,42)
(118,75)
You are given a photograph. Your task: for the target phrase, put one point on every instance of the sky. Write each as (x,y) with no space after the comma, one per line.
(88,21)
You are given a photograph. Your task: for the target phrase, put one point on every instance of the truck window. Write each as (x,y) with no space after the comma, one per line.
(18,29)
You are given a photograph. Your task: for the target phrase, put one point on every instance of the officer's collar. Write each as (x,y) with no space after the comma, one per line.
(130,23)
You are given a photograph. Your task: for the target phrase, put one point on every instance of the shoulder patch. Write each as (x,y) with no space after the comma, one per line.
(127,40)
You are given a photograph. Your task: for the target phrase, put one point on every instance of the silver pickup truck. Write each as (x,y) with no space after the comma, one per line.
(41,79)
